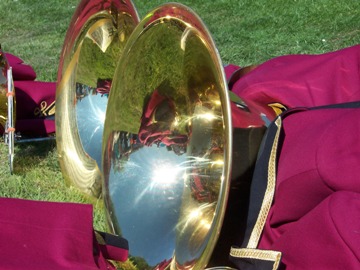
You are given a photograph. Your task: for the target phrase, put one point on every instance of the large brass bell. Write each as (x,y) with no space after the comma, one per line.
(167,144)
(175,171)
(94,41)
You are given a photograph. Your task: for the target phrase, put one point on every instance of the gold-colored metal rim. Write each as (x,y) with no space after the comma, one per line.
(150,66)
(7,107)
(95,38)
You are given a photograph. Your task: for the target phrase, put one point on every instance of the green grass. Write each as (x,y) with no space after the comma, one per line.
(245,32)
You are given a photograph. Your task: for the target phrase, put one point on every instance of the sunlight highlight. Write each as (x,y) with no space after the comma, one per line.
(165,174)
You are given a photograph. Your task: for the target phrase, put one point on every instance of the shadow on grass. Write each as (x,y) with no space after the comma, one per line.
(30,155)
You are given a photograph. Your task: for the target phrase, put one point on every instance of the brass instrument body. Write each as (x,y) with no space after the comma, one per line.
(167,143)
(95,39)
(175,170)
(4,67)
(7,107)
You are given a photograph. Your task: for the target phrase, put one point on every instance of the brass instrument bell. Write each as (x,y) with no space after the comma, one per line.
(175,170)
(167,142)
(96,37)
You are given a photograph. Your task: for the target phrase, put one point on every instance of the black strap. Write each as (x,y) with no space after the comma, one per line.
(112,240)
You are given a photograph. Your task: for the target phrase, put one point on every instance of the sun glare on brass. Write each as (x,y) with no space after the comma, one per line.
(167,143)
(95,39)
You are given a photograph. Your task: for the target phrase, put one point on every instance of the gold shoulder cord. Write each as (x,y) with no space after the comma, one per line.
(277,107)
(264,255)
(250,251)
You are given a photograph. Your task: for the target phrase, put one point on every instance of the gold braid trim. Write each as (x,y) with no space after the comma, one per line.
(277,107)
(265,255)
(269,193)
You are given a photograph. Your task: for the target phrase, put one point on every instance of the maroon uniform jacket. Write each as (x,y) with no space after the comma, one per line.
(304,210)
(35,100)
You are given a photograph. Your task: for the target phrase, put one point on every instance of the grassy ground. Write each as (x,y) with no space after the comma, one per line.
(246,32)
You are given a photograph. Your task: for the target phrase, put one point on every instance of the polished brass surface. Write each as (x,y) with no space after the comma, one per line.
(7,107)
(167,142)
(95,39)
(10,123)
(4,66)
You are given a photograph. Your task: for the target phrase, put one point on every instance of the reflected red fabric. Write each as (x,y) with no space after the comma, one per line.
(156,121)
(163,265)
(49,235)
(103,86)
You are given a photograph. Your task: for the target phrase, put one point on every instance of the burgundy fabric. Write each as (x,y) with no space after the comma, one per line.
(23,72)
(303,80)
(35,127)
(247,118)
(30,95)
(113,247)
(13,60)
(20,71)
(47,235)
(326,238)
(314,219)
(114,253)
(229,70)
(34,102)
